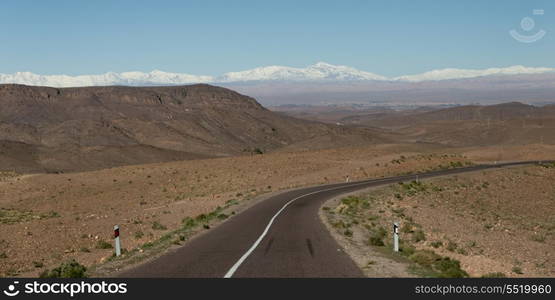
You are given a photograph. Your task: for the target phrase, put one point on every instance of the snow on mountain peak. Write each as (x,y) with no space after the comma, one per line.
(451,73)
(320,71)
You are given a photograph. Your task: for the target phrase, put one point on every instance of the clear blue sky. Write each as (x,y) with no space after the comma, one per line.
(212,37)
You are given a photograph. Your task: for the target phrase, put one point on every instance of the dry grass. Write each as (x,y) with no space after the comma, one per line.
(493,222)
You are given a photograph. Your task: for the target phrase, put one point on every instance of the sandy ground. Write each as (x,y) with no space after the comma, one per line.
(48,218)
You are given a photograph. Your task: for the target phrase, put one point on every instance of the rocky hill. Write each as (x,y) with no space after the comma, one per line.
(72,129)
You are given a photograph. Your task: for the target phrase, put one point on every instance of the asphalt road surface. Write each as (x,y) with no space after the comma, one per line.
(281,236)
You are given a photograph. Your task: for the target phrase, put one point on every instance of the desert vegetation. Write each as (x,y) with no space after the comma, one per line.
(476,224)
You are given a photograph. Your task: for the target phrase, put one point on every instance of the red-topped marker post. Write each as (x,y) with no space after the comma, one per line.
(116,237)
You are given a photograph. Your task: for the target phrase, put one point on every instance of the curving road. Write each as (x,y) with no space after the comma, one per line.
(281,236)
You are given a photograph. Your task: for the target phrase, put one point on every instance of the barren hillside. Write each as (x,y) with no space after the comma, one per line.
(72,129)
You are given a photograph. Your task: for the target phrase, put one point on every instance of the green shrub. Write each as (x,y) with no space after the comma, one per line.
(376,241)
(157,226)
(449,268)
(494,275)
(69,269)
(451,246)
(377,236)
(540,238)
(202,218)
(102,244)
(517,270)
(425,257)
(38,264)
(147,245)
(139,234)
(418,236)
(406,250)
(188,222)
(444,267)
(436,244)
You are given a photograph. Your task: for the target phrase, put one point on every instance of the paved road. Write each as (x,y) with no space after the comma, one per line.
(295,244)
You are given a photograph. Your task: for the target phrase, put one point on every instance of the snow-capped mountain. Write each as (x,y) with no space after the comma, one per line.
(445,74)
(126,78)
(318,72)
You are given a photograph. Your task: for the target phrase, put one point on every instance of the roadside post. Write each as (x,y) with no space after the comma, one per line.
(116,237)
(396,236)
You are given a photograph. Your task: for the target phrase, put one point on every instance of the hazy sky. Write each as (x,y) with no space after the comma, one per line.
(212,37)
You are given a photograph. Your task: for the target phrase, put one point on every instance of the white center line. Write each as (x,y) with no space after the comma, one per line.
(234,268)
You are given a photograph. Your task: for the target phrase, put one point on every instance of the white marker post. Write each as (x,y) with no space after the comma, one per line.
(116,237)
(396,236)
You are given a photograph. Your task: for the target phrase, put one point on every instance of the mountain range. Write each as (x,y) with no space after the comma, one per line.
(319,72)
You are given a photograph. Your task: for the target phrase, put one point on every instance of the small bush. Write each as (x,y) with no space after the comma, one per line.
(38,264)
(157,226)
(348,233)
(494,275)
(451,246)
(444,267)
(517,270)
(540,238)
(139,234)
(188,222)
(147,245)
(377,236)
(376,241)
(449,268)
(202,218)
(425,257)
(406,250)
(436,244)
(102,244)
(418,236)
(85,250)
(69,269)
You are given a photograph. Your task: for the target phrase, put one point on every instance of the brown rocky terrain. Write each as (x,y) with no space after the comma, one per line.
(73,129)
(463,126)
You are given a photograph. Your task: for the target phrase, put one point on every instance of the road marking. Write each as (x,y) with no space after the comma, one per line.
(236,266)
